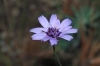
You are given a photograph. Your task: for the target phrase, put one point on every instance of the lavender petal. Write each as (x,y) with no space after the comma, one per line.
(71,31)
(38,30)
(57,24)
(53,20)
(53,41)
(66,37)
(63,29)
(46,38)
(38,36)
(43,21)
(65,22)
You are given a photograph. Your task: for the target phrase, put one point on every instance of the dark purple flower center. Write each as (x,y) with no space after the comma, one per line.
(53,32)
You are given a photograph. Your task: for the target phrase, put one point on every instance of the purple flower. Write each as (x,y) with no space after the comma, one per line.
(53,29)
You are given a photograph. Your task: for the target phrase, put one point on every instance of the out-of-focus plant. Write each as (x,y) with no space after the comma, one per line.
(84,15)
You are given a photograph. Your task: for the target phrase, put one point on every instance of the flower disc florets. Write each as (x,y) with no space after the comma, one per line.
(53,32)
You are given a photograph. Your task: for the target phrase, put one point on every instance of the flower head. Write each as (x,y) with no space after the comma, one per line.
(53,29)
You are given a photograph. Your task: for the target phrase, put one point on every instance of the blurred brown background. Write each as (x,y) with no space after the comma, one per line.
(17,48)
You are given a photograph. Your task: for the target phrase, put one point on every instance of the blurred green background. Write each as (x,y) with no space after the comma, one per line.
(17,48)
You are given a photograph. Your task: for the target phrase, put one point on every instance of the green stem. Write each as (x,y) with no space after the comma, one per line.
(56,55)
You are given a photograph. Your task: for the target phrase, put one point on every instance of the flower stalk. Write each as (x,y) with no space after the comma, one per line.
(56,55)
